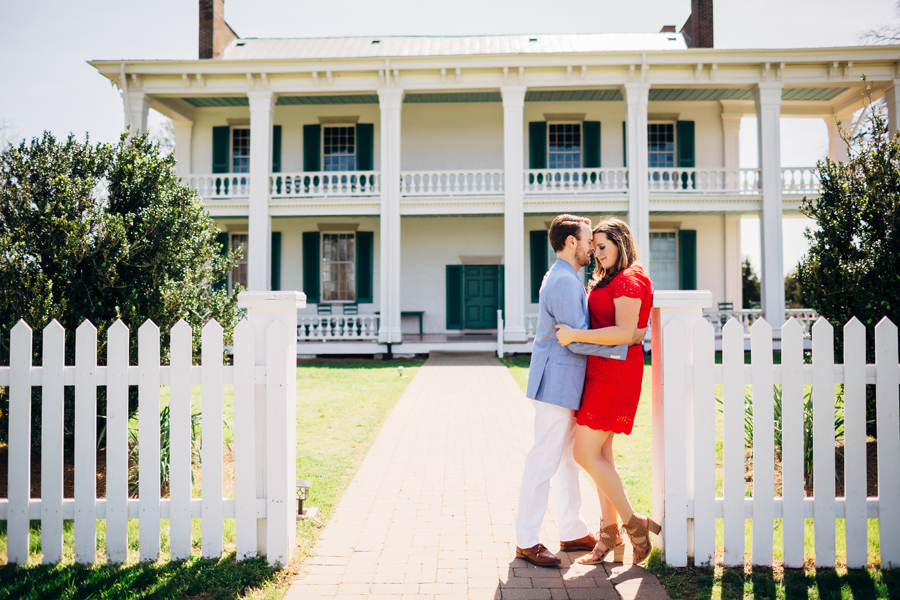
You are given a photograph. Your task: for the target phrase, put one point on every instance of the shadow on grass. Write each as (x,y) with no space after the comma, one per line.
(192,578)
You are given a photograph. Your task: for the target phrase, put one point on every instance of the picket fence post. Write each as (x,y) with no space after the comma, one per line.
(264,309)
(673,421)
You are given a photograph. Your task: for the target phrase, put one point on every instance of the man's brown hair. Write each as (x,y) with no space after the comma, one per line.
(563,226)
(618,233)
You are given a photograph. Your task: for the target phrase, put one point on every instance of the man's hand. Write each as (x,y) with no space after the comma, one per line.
(638,336)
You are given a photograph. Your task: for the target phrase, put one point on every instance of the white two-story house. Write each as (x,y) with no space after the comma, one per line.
(406,184)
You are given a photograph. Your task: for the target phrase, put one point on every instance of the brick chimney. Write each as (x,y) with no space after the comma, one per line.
(214,31)
(698,29)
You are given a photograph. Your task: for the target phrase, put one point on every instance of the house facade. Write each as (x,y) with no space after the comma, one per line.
(406,184)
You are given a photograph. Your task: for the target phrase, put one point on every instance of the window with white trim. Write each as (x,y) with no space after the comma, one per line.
(664,260)
(339,148)
(564,145)
(661,146)
(338,267)
(240,150)
(239,272)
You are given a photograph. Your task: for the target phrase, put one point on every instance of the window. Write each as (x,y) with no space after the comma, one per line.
(338,267)
(564,145)
(339,148)
(661,145)
(664,260)
(239,272)
(240,150)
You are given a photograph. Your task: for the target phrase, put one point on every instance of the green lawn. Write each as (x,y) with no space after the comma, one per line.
(632,459)
(341,406)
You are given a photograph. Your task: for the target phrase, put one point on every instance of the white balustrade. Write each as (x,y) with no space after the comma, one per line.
(325,183)
(575,181)
(530,326)
(747,317)
(451,183)
(224,186)
(691,180)
(339,327)
(800,180)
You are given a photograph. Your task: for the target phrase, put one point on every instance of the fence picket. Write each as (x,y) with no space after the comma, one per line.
(148,441)
(823,442)
(733,442)
(675,537)
(763,442)
(704,491)
(855,443)
(244,442)
(887,407)
(792,442)
(117,353)
(211,440)
(53,359)
(279,495)
(19,471)
(85,443)
(180,440)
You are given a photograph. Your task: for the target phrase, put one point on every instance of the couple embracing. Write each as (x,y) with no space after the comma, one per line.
(585,381)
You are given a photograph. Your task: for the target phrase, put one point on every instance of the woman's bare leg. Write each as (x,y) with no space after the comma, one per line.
(588,452)
(607,508)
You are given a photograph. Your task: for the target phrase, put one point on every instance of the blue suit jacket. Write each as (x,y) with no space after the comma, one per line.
(556,374)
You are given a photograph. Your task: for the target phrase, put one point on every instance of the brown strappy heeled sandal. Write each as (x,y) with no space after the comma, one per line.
(637,528)
(610,541)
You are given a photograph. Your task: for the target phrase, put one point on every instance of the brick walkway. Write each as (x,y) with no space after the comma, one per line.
(430,513)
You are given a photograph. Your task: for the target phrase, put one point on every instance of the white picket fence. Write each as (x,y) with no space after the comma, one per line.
(684,417)
(264,383)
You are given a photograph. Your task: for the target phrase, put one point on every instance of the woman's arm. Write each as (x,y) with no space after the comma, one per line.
(627,311)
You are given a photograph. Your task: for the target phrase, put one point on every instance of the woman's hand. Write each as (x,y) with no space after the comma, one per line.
(565,335)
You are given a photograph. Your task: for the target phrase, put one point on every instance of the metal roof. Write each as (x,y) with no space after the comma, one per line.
(390,46)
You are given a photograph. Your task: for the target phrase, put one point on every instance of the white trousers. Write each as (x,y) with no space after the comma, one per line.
(551,456)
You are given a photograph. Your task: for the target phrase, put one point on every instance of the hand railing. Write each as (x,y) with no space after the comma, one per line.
(224,186)
(451,183)
(339,327)
(575,181)
(325,183)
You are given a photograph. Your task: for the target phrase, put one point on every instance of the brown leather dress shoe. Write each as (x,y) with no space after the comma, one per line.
(538,555)
(586,543)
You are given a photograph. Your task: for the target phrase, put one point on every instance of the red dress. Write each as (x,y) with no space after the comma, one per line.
(612,388)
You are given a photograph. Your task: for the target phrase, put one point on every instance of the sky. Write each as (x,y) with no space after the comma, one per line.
(48,85)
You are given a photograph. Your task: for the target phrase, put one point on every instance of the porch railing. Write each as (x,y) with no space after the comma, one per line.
(337,328)
(748,316)
(691,180)
(575,181)
(325,183)
(798,180)
(451,183)
(225,186)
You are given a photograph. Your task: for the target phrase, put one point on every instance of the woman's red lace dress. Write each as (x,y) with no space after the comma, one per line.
(612,388)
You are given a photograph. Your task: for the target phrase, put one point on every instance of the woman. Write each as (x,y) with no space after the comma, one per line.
(619,302)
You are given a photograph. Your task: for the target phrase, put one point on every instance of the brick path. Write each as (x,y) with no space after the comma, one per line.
(430,513)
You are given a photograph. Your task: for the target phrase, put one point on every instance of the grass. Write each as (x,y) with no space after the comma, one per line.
(632,459)
(340,408)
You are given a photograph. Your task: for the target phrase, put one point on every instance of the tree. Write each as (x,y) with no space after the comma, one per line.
(885,34)
(852,267)
(750,289)
(793,292)
(103,232)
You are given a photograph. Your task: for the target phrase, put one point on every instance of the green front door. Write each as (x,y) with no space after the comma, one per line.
(482,297)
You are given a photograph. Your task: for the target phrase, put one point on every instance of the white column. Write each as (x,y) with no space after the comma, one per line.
(733,290)
(637,96)
(731,140)
(892,99)
(137,107)
(259,232)
(263,309)
(837,148)
(390,101)
(514,212)
(767,96)
(183,139)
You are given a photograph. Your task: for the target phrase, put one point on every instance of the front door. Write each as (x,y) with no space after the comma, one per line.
(482,296)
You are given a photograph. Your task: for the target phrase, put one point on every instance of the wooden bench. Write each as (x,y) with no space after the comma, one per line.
(414,313)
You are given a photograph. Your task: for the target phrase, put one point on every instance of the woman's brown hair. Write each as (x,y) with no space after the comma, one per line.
(618,233)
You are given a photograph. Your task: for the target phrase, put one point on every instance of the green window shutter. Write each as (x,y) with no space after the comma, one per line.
(591,131)
(684,138)
(538,240)
(501,290)
(365,266)
(687,259)
(221,144)
(365,146)
(276,151)
(311,266)
(624,144)
(312,136)
(222,240)
(454,297)
(537,144)
(276,260)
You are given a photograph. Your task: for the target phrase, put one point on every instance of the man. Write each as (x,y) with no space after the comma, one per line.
(555,383)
